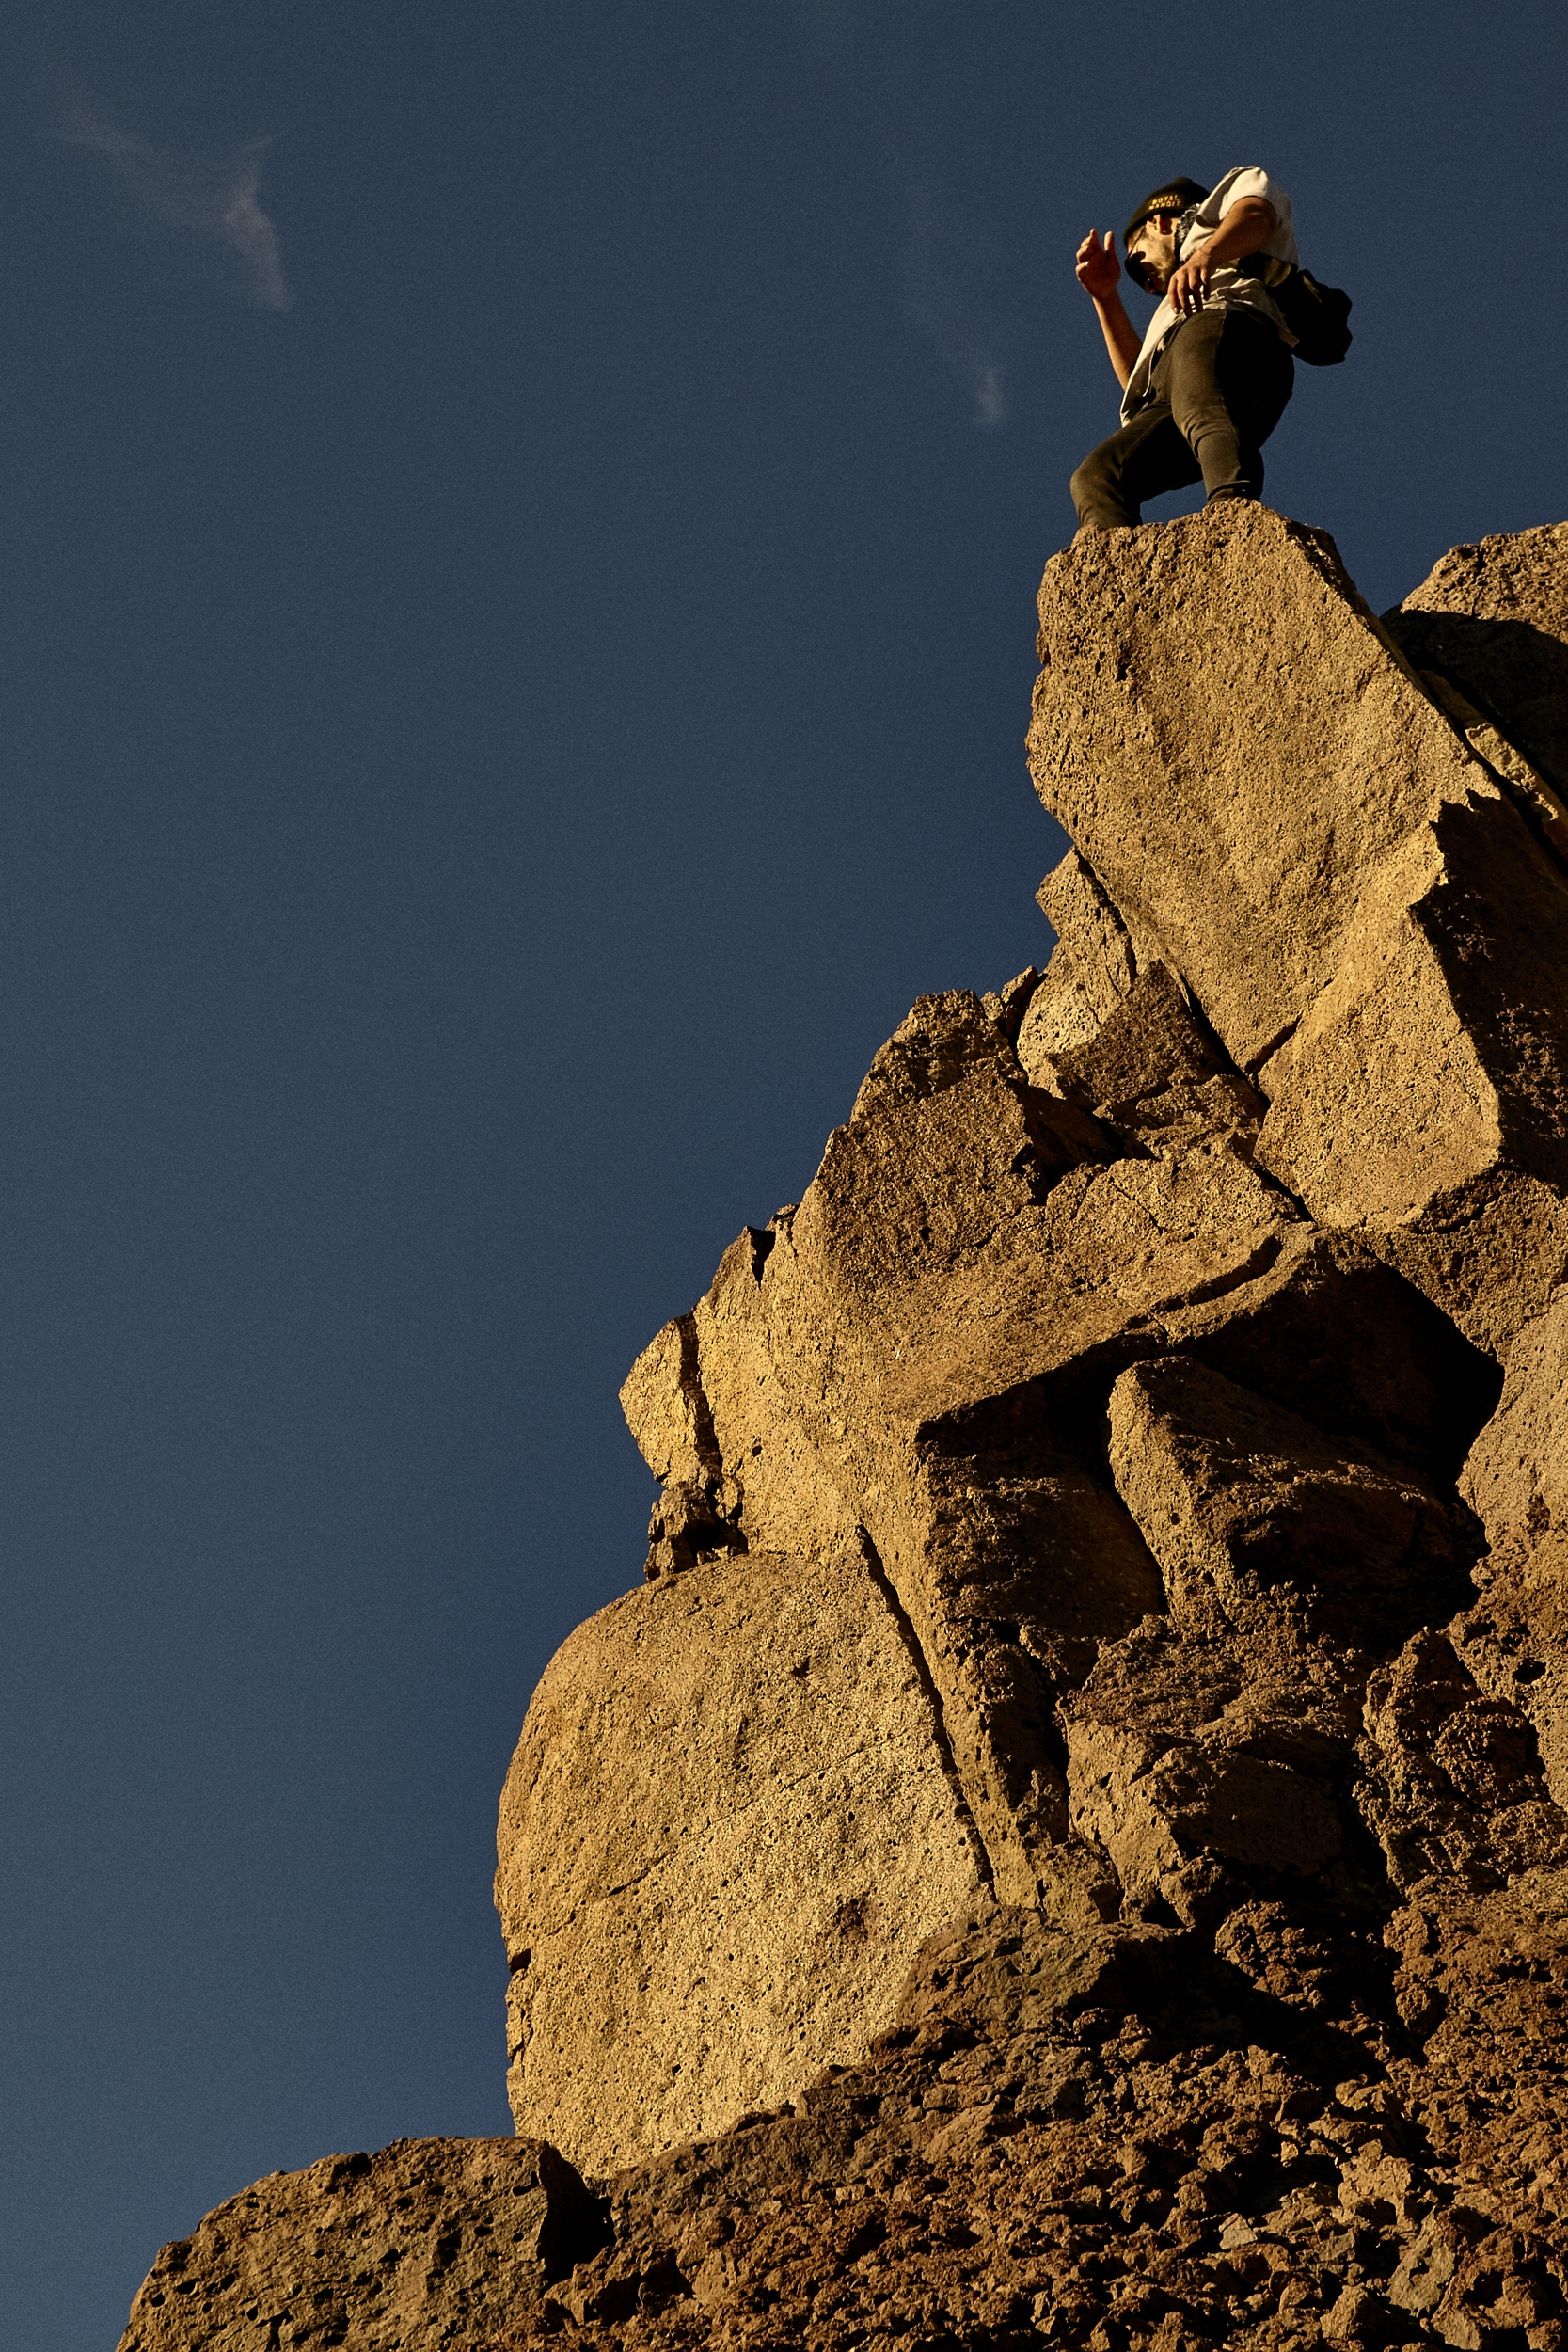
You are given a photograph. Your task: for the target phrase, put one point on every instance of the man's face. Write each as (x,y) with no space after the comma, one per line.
(1153,249)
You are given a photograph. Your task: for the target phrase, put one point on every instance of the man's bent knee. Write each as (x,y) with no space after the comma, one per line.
(1084,487)
(1097,495)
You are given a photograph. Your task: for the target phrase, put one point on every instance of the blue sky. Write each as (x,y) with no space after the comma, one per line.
(518,538)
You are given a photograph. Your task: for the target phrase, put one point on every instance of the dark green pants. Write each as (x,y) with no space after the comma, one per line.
(1219,388)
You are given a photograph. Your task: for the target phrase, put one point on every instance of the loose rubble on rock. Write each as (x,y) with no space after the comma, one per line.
(1069,1845)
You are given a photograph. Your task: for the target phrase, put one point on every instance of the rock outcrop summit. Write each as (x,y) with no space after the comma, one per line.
(1068,1845)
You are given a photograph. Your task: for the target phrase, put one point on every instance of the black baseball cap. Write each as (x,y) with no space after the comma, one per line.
(1171,196)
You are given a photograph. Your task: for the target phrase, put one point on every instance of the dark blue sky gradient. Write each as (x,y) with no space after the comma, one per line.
(487,751)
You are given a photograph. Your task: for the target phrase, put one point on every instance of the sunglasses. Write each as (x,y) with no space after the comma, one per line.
(1134,261)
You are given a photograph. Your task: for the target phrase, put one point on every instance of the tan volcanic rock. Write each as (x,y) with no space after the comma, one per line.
(1282,814)
(917,1348)
(1231,743)
(1092,935)
(429,2242)
(1059,1017)
(1514,1642)
(1069,1201)
(923,1350)
(1516,1475)
(935,1358)
(1150,1069)
(1007,1005)
(1060,1779)
(1450,1779)
(1147,1044)
(1258,1519)
(1493,619)
(1425,1093)
(1002,1970)
(1139,2136)
(1189,1755)
(1532,793)
(729,1824)
(1514,1639)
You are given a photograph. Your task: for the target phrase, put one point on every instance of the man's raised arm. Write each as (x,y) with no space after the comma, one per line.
(1099,274)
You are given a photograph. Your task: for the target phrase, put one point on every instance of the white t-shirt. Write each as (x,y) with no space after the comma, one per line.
(1227,290)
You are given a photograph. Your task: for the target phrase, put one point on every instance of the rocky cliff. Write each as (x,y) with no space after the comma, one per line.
(1069,1843)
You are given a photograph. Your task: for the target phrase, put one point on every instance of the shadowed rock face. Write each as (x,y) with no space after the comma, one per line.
(1259,1522)
(1493,619)
(1068,1845)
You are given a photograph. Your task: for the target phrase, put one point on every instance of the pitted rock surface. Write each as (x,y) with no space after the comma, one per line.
(728,1827)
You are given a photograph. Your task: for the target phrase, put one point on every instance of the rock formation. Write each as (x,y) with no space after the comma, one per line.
(430,2242)
(1070,1843)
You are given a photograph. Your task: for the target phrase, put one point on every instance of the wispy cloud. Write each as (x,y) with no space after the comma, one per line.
(943,261)
(202,213)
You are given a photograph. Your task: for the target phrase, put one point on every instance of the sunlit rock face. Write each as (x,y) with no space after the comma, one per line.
(1068,1843)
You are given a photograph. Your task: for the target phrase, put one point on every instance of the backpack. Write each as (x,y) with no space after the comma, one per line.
(1316,315)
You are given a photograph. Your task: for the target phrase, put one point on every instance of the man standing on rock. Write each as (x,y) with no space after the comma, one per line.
(1206,386)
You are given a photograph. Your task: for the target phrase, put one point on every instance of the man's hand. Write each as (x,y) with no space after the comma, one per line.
(1188,290)
(1099,270)
(1248,224)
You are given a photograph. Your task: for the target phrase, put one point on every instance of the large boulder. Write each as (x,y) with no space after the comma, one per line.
(1424,1095)
(730,1822)
(1231,743)
(1272,802)
(1516,1475)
